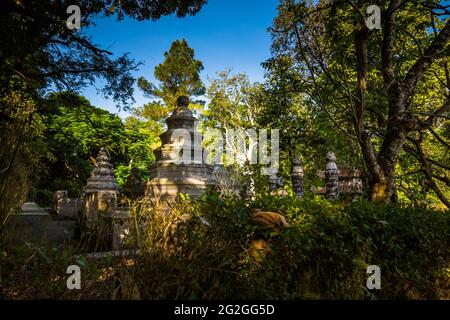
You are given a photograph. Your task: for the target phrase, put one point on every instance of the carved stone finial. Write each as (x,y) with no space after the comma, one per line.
(331,177)
(182,116)
(297,177)
(330,157)
(102,177)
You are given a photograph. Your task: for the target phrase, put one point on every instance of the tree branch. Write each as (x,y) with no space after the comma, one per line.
(416,72)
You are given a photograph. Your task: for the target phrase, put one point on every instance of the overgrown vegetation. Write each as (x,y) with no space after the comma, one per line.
(210,249)
(379,99)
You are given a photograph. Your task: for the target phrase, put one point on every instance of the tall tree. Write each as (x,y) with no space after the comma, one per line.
(234,104)
(179,75)
(35,42)
(72,133)
(383,87)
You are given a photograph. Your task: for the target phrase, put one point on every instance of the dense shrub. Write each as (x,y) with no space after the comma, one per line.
(211,249)
(324,254)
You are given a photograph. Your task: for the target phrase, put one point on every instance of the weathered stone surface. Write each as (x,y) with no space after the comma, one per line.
(61,232)
(331,177)
(350,182)
(59,195)
(102,177)
(90,210)
(65,207)
(175,172)
(273,182)
(30,224)
(118,224)
(107,200)
(276,187)
(297,178)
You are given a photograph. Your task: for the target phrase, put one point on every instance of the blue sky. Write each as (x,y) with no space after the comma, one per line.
(224,34)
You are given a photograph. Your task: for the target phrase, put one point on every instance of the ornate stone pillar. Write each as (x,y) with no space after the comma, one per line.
(273,182)
(101,191)
(297,177)
(331,177)
(250,184)
(60,196)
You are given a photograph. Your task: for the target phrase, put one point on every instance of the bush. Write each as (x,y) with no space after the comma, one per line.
(323,255)
(211,249)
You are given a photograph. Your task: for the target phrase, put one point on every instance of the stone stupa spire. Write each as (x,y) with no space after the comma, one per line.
(102,177)
(180,165)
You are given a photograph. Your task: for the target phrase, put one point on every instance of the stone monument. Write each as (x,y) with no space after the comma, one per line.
(273,182)
(65,207)
(180,165)
(101,191)
(297,178)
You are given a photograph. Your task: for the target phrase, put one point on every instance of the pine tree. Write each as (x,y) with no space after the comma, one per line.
(179,75)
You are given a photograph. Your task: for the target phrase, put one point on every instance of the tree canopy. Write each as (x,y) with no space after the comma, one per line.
(385,90)
(178,75)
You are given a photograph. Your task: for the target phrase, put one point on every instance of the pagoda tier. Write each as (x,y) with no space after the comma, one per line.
(102,177)
(175,173)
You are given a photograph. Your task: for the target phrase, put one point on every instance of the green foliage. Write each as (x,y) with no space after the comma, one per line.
(210,249)
(40,272)
(179,75)
(328,250)
(73,132)
(17,132)
(234,101)
(312,82)
(140,140)
(37,50)
(323,255)
(151,9)
(35,59)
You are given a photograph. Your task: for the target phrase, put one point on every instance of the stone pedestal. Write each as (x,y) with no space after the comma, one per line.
(117,225)
(273,182)
(30,224)
(33,224)
(180,167)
